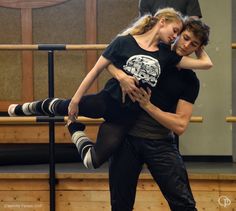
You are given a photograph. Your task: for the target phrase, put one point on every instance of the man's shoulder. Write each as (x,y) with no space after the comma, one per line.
(189,75)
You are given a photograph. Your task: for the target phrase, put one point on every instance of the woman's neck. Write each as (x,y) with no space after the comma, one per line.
(148,40)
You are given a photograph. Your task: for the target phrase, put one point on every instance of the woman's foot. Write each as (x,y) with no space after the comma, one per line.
(38,108)
(82,142)
(20,110)
(11,110)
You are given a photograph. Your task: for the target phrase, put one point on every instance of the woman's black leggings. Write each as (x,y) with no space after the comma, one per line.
(118,120)
(111,132)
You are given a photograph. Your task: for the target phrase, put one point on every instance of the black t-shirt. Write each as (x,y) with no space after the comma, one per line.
(186,7)
(125,53)
(175,84)
(172,86)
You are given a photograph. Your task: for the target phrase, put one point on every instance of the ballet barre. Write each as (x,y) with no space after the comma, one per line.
(53,47)
(196,119)
(230,119)
(233,45)
(43,119)
(60,46)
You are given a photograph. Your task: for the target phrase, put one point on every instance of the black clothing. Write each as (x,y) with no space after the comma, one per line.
(163,160)
(112,132)
(151,143)
(186,7)
(100,105)
(173,85)
(125,53)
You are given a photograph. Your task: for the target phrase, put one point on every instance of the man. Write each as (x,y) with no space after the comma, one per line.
(166,110)
(189,8)
(186,7)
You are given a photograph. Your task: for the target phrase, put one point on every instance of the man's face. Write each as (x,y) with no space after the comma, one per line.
(187,43)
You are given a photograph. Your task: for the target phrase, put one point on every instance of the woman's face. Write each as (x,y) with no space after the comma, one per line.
(170,31)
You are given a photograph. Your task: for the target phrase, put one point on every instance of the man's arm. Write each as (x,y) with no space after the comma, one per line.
(203,61)
(177,122)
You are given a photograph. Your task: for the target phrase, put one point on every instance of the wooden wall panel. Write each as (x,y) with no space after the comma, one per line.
(18,184)
(68,22)
(27,91)
(10,62)
(40,22)
(113,16)
(93,194)
(39,133)
(91,38)
(10,76)
(10,24)
(66,25)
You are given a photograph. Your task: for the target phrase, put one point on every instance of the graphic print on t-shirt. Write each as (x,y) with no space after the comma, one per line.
(145,68)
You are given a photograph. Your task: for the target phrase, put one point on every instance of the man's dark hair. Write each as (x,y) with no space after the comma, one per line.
(198,28)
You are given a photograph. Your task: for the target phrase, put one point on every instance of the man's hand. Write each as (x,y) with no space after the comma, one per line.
(143,97)
(199,52)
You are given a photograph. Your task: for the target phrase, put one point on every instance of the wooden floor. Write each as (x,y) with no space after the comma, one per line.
(26,188)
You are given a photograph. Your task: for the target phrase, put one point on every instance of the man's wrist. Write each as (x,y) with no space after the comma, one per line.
(147,106)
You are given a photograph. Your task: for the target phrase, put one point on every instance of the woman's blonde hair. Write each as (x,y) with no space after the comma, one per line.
(147,22)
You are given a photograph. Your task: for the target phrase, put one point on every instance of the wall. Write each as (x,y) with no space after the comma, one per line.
(66,23)
(234,75)
(214,135)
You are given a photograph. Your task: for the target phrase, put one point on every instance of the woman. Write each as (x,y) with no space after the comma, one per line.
(136,52)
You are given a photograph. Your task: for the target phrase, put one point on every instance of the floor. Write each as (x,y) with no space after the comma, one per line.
(192,167)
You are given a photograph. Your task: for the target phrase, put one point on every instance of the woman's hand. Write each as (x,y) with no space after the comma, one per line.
(128,83)
(72,111)
(128,86)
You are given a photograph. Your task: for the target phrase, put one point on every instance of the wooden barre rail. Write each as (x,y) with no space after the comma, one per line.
(196,119)
(60,46)
(36,120)
(53,47)
(230,119)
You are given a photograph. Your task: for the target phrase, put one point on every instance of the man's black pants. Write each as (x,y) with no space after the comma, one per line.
(165,163)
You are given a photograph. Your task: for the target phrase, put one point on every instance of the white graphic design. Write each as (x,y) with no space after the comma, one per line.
(145,68)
